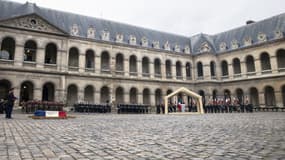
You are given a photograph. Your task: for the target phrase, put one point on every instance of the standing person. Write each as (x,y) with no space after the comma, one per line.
(10,103)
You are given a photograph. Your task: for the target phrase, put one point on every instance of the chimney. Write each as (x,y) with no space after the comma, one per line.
(249,22)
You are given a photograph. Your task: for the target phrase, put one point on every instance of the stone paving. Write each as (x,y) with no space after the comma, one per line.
(139,137)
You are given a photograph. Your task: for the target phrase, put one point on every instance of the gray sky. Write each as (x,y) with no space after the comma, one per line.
(183,17)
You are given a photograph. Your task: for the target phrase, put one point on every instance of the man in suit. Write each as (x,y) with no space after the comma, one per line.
(10,103)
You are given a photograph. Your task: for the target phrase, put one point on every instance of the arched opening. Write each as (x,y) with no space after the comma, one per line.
(73,57)
(281,58)
(240,95)
(157,67)
(133,65)
(48,92)
(283,95)
(269,96)
(168,68)
(30,50)
(253,96)
(119,63)
(225,71)
(202,93)
(26,92)
(50,53)
(158,97)
(188,70)
(5,85)
(146,96)
(7,48)
(105,95)
(133,96)
(105,62)
(213,69)
(89,59)
(178,70)
(89,94)
(200,70)
(215,94)
(145,66)
(72,96)
(119,95)
(265,61)
(171,99)
(250,67)
(236,66)
(227,95)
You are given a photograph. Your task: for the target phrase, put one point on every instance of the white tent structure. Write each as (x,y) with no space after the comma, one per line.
(189,93)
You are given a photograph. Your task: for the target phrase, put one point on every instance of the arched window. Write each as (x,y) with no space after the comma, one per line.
(105,95)
(133,65)
(26,92)
(200,70)
(158,97)
(281,59)
(89,60)
(105,62)
(202,93)
(73,61)
(157,68)
(227,95)
(119,95)
(50,54)
(213,69)
(240,96)
(225,71)
(178,70)
(253,96)
(269,96)
(133,96)
(265,62)
(188,70)
(170,100)
(72,96)
(89,94)
(146,96)
(30,50)
(119,63)
(236,66)
(48,92)
(168,68)
(145,67)
(5,85)
(7,48)
(283,95)
(250,64)
(215,94)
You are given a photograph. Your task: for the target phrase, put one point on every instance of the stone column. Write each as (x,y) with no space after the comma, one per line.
(163,70)
(152,103)
(257,66)
(173,71)
(151,69)
(97,64)
(127,97)
(17,94)
(261,99)
(243,68)
(206,70)
(140,97)
(230,70)
(80,95)
(279,98)
(183,72)
(40,57)
(81,62)
(126,67)
(273,62)
(139,68)
(19,55)
(97,96)
(38,94)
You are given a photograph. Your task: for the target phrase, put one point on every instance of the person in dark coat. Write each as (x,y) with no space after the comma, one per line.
(10,103)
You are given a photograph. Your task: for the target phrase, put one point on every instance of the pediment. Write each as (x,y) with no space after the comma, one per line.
(31,22)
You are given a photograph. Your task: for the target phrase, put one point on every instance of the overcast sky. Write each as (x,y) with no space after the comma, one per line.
(183,17)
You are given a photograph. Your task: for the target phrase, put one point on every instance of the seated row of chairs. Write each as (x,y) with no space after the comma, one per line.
(132,108)
(33,105)
(92,108)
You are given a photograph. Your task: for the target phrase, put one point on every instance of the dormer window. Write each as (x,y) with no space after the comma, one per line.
(91,32)
(247,41)
(177,48)
(105,35)
(155,44)
(204,47)
(261,37)
(234,44)
(223,46)
(187,49)
(74,30)
(144,42)
(119,38)
(278,34)
(132,40)
(167,46)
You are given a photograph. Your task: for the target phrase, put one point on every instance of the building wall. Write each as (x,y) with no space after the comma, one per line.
(61,75)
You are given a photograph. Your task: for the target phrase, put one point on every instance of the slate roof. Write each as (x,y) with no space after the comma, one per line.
(64,21)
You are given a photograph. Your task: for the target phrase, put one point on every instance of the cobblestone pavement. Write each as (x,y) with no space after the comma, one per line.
(111,136)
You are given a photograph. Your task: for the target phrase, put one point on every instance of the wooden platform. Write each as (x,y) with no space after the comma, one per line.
(41,117)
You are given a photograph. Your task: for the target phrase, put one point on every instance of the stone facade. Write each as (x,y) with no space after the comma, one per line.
(73,68)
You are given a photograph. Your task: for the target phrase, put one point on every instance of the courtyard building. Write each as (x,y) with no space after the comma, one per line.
(52,55)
